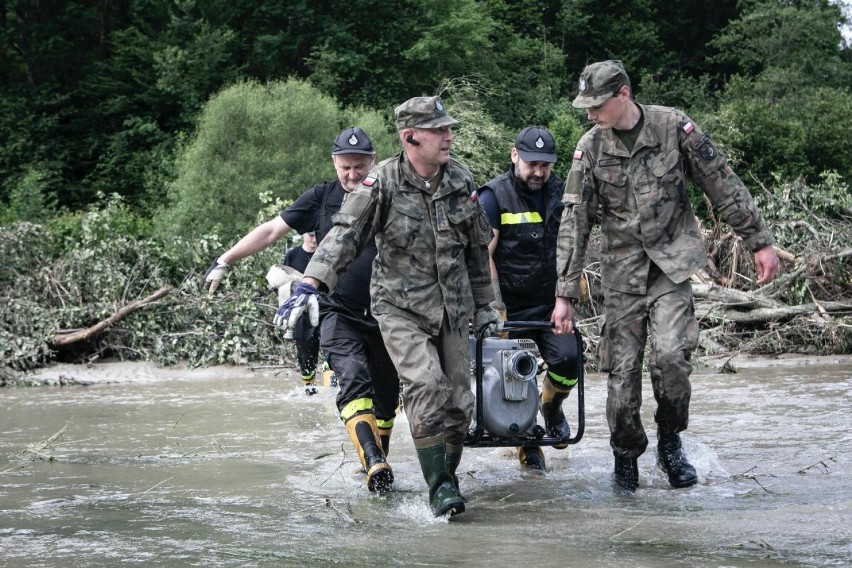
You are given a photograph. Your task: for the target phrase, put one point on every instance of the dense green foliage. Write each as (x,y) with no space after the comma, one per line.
(140,138)
(98,97)
(252,141)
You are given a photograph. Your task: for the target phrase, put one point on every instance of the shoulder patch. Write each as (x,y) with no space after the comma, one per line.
(369,181)
(688,127)
(474,195)
(578,154)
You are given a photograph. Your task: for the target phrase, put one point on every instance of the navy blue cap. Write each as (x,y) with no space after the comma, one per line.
(536,144)
(352,141)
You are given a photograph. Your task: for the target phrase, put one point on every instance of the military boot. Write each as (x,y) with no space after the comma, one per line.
(555,423)
(531,457)
(443,496)
(626,473)
(363,433)
(672,459)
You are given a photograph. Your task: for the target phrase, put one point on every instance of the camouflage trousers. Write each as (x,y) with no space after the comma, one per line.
(664,315)
(435,376)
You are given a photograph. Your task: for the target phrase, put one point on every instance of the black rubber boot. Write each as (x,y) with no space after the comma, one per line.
(385,436)
(532,458)
(362,432)
(555,422)
(443,496)
(672,459)
(626,473)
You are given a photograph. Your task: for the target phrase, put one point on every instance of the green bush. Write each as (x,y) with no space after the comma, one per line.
(254,139)
(792,135)
(30,198)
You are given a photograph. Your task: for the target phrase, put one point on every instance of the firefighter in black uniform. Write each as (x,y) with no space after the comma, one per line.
(306,336)
(349,335)
(524,207)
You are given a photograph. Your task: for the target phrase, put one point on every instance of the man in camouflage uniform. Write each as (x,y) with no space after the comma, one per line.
(633,167)
(524,207)
(430,279)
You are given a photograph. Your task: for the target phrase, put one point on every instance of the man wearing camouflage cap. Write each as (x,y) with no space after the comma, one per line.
(633,166)
(430,279)
(524,206)
(349,335)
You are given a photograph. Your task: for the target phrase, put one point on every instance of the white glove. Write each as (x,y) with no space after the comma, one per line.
(214,275)
(283,278)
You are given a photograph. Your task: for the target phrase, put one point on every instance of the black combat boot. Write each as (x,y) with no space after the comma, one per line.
(626,473)
(555,423)
(672,459)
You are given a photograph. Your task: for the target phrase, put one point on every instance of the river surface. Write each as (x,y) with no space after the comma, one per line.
(240,468)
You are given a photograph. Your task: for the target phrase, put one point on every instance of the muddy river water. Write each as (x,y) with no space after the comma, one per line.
(233,467)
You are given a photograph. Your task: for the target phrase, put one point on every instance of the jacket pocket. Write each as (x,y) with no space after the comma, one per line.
(612,187)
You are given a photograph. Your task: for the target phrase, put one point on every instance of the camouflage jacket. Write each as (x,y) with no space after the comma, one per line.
(644,207)
(432,247)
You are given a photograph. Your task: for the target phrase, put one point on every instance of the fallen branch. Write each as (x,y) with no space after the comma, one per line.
(63,338)
(786,280)
(763,315)
(733,297)
(37,448)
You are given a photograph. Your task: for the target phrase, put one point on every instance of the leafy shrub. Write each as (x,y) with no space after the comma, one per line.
(253,139)
(78,270)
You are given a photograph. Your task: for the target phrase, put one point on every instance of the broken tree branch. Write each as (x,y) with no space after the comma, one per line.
(63,338)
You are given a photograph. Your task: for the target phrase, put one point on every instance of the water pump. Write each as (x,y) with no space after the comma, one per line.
(509,388)
(507,397)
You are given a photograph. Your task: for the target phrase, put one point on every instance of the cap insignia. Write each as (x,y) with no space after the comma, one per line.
(539,143)
(353,140)
(439,105)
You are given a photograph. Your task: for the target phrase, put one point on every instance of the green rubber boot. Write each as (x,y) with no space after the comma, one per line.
(453,457)
(443,496)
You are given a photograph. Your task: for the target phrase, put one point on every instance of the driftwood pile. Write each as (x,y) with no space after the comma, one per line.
(737,316)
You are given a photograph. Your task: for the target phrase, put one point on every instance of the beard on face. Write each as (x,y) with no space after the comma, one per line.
(525,184)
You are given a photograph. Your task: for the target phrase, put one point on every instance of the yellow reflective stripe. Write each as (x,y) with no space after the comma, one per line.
(563,381)
(384,424)
(356,406)
(520,218)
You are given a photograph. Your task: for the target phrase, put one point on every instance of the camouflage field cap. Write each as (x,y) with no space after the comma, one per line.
(599,82)
(422,112)
(352,141)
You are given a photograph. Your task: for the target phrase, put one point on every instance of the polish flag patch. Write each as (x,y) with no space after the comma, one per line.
(369,181)
(688,127)
(578,154)
(474,195)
